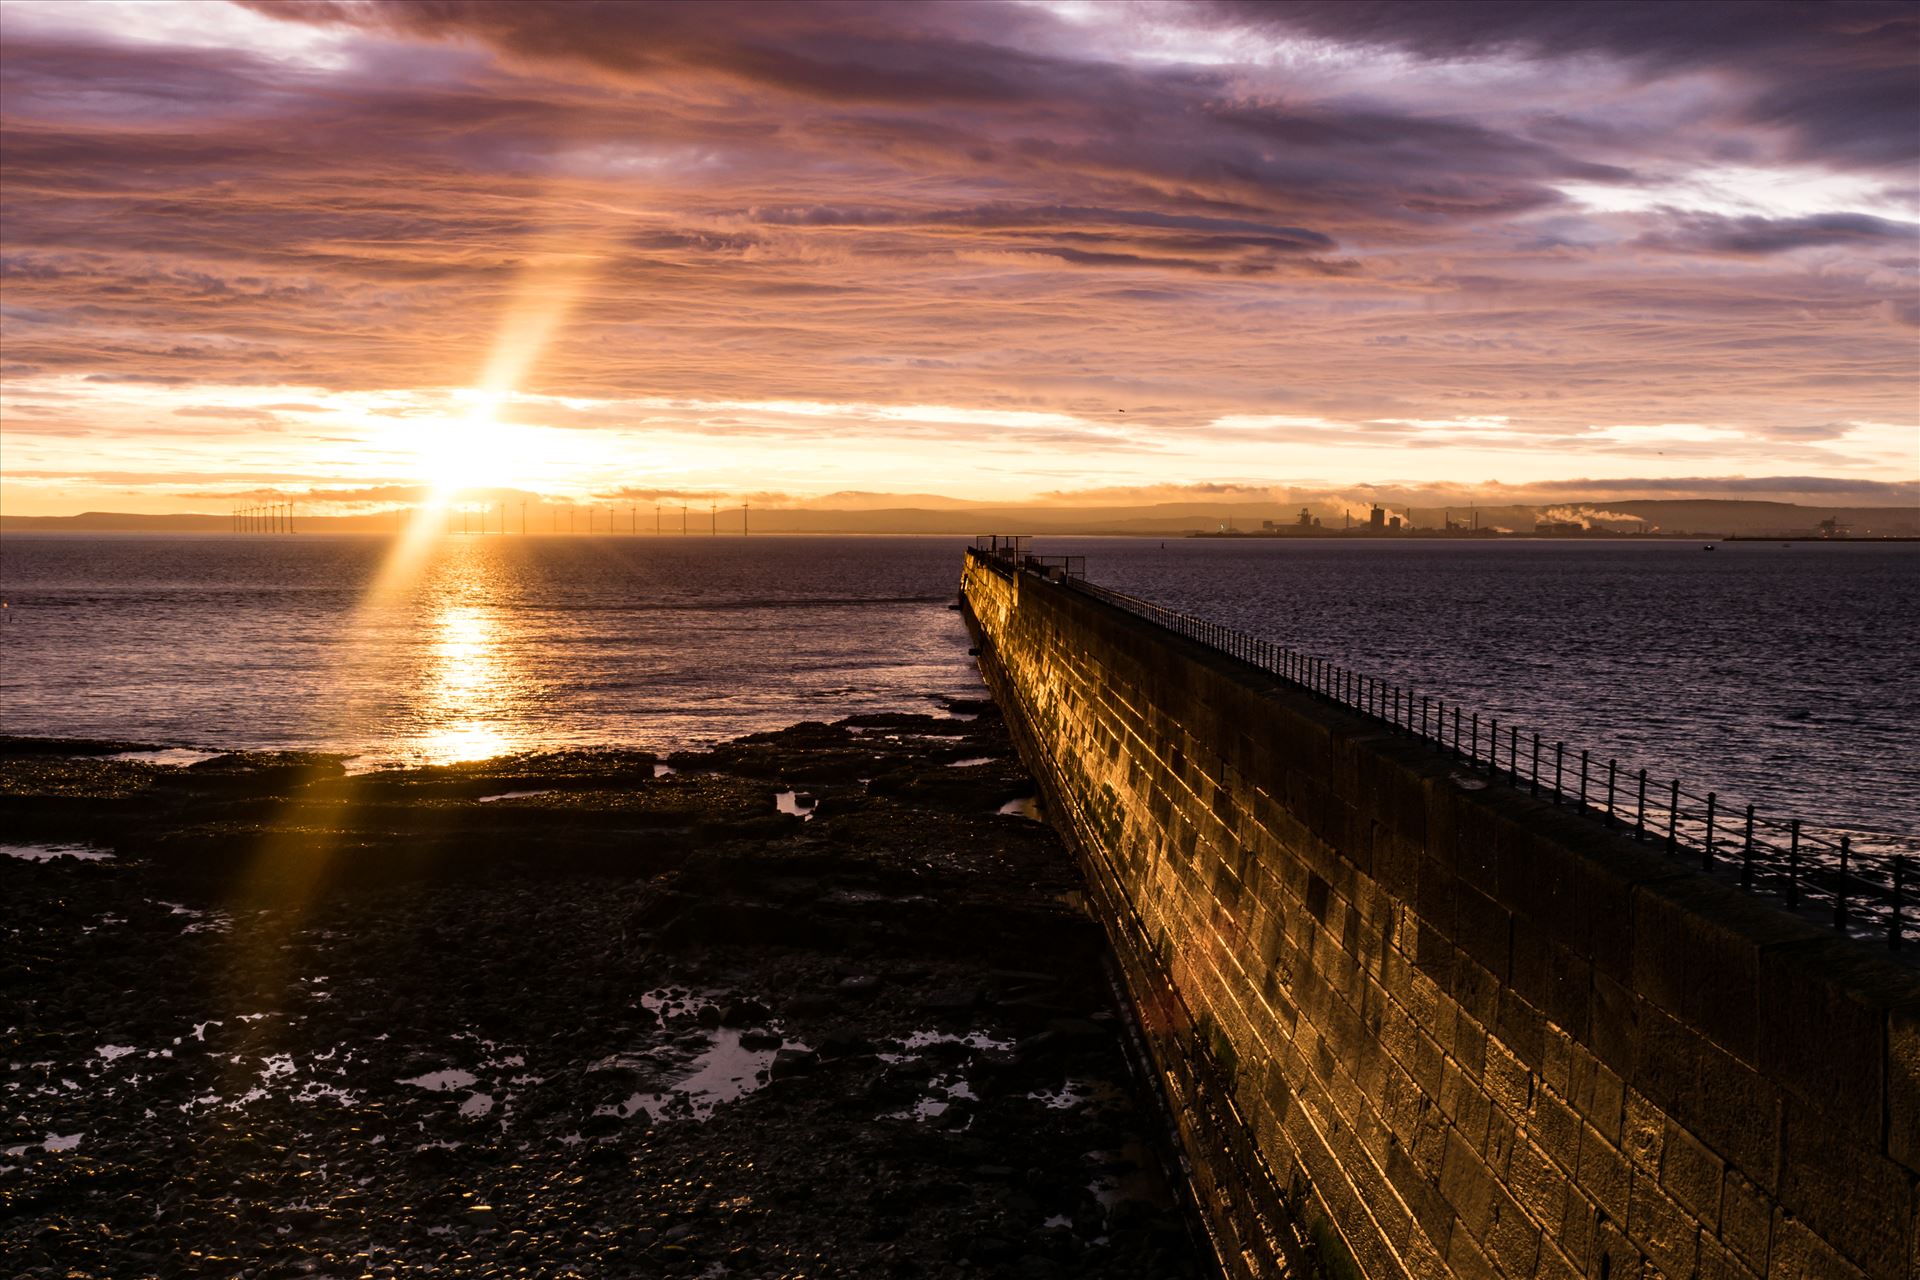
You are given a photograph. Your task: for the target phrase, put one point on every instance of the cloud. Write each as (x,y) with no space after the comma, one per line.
(366,497)
(1839,77)
(1093,234)
(1831,488)
(700,497)
(1753,235)
(227,412)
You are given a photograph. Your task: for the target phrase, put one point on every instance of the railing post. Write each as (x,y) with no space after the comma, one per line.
(1706,853)
(1559,768)
(1534,789)
(1640,817)
(1493,749)
(1894,926)
(1840,887)
(1612,769)
(1473,743)
(1513,754)
(1793,866)
(1673,812)
(1746,854)
(1456,731)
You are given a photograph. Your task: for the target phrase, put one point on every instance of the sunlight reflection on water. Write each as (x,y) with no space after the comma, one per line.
(434,650)
(470,700)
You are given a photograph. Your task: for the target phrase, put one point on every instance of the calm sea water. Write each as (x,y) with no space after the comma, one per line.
(1781,676)
(485,645)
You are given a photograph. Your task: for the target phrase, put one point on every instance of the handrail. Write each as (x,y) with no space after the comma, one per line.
(1862,893)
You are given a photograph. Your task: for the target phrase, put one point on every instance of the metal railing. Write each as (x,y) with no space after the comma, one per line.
(1011,549)
(1817,873)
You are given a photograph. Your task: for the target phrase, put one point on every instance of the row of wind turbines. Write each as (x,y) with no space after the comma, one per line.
(277,517)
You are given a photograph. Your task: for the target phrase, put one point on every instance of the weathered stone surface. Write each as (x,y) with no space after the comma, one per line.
(1692,1174)
(1502,1039)
(1746,1221)
(1858,1201)
(1661,1228)
(1718,1263)
(1903,1086)
(1799,1254)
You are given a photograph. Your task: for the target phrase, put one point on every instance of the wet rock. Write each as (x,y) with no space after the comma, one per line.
(445,944)
(794,1062)
(845,1046)
(950,1000)
(744,1013)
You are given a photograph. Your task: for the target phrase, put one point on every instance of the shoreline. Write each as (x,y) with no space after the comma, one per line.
(804,1001)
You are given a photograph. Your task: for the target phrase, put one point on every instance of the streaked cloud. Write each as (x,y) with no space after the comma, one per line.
(990,248)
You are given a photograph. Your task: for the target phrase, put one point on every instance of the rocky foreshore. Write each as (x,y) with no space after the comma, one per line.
(807,1004)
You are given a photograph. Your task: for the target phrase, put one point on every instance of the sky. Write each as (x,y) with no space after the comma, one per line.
(354,254)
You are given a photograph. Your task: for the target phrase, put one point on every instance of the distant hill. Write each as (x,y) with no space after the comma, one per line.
(911,514)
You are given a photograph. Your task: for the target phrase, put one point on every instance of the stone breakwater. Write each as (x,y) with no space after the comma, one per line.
(805,1004)
(1434,1026)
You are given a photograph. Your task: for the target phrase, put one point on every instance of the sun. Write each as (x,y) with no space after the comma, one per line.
(477,451)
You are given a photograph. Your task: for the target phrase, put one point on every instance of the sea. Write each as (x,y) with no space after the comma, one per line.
(1776,674)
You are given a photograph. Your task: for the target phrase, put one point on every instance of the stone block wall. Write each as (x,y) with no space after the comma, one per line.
(1420,1026)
